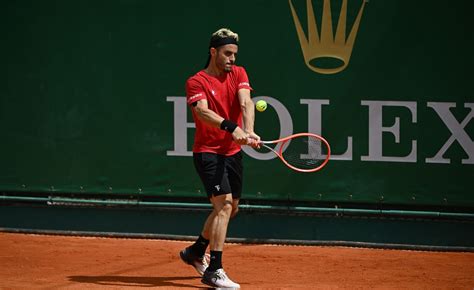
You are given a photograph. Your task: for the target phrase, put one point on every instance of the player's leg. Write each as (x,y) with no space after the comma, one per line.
(199,247)
(234,169)
(207,166)
(215,275)
(233,175)
(222,205)
(206,229)
(212,171)
(195,255)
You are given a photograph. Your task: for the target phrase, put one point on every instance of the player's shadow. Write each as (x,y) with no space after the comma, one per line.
(134,281)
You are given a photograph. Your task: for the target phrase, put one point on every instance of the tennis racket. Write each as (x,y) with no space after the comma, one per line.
(303,152)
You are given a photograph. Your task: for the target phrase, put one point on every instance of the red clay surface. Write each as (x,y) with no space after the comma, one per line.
(58,262)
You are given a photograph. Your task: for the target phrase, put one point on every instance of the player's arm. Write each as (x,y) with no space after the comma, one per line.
(211,118)
(248,113)
(207,115)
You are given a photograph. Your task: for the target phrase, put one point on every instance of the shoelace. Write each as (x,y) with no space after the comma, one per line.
(221,274)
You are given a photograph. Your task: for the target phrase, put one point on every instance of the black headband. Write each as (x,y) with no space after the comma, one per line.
(217,41)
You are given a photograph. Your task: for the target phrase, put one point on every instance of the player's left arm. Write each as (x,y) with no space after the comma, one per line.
(248,112)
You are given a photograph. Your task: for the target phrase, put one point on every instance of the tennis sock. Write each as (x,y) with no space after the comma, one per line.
(199,247)
(216,261)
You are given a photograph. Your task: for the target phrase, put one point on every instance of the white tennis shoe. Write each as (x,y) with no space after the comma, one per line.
(218,279)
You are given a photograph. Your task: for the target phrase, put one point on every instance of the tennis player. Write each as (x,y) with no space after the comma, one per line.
(224,115)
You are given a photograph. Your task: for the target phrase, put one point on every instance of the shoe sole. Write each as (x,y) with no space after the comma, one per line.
(212,285)
(215,286)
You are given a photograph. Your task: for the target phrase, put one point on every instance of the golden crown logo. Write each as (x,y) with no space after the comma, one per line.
(328,45)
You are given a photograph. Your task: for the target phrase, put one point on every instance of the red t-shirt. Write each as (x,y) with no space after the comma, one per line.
(222,98)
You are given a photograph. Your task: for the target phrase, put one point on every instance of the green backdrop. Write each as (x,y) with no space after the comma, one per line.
(92,97)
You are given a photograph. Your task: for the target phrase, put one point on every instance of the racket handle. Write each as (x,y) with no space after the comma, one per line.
(253,143)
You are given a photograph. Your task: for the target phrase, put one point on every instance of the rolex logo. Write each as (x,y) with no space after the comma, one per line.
(326,45)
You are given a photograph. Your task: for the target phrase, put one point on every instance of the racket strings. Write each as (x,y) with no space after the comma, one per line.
(304,152)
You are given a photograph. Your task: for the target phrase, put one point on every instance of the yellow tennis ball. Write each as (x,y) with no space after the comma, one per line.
(261,105)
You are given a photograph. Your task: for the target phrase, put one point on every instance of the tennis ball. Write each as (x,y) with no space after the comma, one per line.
(261,105)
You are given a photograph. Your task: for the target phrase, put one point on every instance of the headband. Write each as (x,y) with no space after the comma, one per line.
(219,41)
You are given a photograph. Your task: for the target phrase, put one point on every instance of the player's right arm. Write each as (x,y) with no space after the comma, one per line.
(211,118)
(207,115)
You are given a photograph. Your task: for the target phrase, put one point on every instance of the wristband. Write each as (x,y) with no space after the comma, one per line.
(228,126)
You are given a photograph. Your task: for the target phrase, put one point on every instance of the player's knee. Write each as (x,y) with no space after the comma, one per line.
(226,209)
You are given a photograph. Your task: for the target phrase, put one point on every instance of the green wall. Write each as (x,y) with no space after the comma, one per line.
(92,98)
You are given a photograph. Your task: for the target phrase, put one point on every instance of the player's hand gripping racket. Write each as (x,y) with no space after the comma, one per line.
(303,152)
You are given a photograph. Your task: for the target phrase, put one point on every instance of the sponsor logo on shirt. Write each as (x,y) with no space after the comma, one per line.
(195,96)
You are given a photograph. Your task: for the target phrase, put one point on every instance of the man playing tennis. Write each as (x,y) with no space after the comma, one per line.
(220,99)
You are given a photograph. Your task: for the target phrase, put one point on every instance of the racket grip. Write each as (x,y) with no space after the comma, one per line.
(253,143)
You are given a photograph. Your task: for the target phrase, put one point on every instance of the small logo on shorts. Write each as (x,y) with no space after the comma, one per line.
(218,187)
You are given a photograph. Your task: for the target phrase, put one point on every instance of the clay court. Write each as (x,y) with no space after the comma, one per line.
(63,262)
